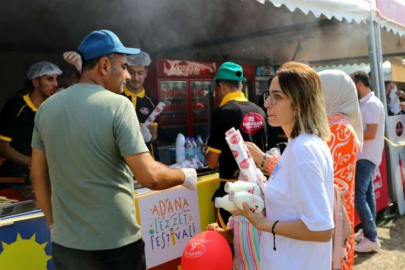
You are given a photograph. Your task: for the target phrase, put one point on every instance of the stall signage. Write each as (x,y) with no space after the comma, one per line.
(264,71)
(396,129)
(252,123)
(181,68)
(169,220)
(399,129)
(392,10)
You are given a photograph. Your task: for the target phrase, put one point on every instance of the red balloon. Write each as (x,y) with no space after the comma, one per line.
(207,250)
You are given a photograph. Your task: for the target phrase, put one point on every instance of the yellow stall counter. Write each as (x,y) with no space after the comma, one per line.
(174,216)
(170,218)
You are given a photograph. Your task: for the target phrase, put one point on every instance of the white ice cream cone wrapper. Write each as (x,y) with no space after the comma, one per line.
(247,167)
(230,132)
(158,109)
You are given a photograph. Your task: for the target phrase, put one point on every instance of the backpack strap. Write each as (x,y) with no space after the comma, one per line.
(342,230)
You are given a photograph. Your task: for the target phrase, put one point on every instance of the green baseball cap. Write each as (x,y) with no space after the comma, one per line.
(230,71)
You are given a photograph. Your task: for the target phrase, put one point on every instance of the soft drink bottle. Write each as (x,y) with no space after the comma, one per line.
(188,149)
(255,203)
(180,151)
(194,146)
(198,152)
(170,86)
(225,203)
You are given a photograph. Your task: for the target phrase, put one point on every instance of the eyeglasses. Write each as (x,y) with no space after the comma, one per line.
(272,98)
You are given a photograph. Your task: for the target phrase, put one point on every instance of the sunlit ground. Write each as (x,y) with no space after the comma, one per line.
(391,233)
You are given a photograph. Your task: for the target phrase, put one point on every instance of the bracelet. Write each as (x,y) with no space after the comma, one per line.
(263,160)
(272,164)
(274,234)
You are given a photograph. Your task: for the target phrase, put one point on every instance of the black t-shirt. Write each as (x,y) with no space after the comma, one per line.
(16,127)
(144,106)
(245,116)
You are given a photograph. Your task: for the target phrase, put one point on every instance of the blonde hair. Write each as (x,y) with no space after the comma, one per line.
(302,85)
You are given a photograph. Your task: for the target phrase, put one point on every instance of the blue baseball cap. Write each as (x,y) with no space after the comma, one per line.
(103,42)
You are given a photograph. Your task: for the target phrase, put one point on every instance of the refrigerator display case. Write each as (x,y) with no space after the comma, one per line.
(174,119)
(186,89)
(263,74)
(202,101)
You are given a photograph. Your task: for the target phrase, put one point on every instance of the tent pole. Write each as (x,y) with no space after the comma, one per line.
(372,54)
(378,72)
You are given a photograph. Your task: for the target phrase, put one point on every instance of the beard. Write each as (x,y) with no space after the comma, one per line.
(134,85)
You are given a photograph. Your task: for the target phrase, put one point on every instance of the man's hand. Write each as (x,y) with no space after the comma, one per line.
(400,93)
(73,58)
(190,181)
(8,152)
(402,106)
(203,148)
(147,136)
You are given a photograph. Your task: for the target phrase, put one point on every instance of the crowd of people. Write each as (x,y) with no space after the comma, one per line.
(81,148)
(87,145)
(333,123)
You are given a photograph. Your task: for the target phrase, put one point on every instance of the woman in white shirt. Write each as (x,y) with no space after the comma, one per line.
(299,225)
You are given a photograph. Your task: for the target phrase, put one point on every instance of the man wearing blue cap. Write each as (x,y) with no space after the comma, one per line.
(17,124)
(85,164)
(235,111)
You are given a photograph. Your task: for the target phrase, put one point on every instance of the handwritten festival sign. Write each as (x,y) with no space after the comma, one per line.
(169,220)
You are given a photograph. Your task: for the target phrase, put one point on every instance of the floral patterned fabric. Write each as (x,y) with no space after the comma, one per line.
(344,148)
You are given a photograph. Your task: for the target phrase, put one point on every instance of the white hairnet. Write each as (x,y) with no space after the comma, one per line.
(41,69)
(140,59)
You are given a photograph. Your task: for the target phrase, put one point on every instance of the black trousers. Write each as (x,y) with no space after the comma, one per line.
(129,257)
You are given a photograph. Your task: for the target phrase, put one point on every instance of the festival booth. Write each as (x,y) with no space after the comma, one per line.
(261,33)
(186,89)
(168,219)
(395,140)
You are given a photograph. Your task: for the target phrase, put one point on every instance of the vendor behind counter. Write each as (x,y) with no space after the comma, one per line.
(235,111)
(17,125)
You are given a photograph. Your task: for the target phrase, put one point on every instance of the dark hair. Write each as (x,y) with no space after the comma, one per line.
(260,101)
(361,76)
(63,82)
(269,82)
(77,74)
(90,64)
(28,86)
(229,83)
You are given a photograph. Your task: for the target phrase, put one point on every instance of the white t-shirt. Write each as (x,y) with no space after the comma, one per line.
(372,112)
(394,104)
(300,188)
